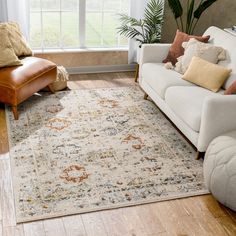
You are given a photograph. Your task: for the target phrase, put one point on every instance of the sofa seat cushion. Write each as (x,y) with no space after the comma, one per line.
(187,103)
(160,79)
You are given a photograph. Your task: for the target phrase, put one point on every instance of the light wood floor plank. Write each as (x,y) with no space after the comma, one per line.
(13,231)
(54,227)
(93,224)
(34,228)
(151,222)
(134,222)
(74,226)
(7,199)
(115,223)
(228,225)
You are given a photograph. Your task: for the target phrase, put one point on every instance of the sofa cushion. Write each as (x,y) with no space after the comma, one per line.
(159,78)
(187,103)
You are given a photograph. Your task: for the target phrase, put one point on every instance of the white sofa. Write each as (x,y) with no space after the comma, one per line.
(200,114)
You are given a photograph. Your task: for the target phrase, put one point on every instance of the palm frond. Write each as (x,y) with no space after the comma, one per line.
(128,20)
(146,30)
(129,31)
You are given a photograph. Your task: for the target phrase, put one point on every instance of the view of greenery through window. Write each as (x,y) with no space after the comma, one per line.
(55,23)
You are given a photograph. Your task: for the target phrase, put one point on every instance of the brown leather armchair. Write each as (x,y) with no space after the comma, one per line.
(20,82)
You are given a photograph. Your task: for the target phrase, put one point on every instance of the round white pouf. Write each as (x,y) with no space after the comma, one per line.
(220,169)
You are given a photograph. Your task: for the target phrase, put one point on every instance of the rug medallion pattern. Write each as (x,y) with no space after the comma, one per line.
(86,150)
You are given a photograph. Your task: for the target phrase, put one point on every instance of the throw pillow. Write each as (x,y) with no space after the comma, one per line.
(176,49)
(17,40)
(205,51)
(206,74)
(231,90)
(8,57)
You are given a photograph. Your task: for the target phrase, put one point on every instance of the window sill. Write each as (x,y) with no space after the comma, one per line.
(51,51)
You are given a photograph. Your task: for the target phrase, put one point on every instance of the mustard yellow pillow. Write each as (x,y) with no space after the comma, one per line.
(206,74)
(7,54)
(18,42)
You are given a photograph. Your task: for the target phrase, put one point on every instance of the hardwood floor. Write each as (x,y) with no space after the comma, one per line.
(200,215)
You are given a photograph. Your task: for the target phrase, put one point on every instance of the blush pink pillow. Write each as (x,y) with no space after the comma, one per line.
(176,49)
(231,90)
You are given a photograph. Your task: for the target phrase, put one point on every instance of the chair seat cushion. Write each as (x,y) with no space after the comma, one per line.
(18,76)
(160,78)
(187,103)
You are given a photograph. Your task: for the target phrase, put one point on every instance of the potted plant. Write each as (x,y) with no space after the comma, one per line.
(194,12)
(146,30)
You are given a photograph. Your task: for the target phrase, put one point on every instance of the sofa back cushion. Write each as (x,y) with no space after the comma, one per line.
(223,39)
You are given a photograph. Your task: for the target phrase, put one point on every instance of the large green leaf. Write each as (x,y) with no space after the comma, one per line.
(176,8)
(202,7)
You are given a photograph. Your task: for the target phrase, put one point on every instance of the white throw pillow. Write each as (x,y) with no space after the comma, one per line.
(205,51)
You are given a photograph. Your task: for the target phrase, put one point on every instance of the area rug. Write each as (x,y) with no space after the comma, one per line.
(88,150)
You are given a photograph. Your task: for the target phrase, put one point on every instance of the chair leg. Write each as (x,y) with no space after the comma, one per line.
(15,112)
(50,88)
(200,155)
(145,96)
(136,73)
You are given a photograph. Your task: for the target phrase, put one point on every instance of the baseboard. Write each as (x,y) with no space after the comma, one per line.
(100,69)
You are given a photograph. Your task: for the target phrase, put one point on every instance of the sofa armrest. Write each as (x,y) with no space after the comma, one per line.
(153,53)
(218,117)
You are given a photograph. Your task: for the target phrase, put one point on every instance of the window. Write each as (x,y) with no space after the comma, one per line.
(71,24)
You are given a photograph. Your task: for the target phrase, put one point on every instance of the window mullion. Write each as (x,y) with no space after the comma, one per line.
(82,22)
(61,46)
(41,18)
(102,33)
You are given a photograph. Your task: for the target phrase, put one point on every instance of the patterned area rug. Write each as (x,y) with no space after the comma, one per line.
(87,150)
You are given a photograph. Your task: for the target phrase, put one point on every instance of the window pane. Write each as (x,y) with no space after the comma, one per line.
(102,22)
(71,5)
(35,5)
(49,5)
(70,35)
(110,36)
(93,5)
(51,29)
(35,30)
(93,29)
(55,23)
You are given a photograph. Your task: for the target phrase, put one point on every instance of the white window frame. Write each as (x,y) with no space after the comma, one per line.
(81,31)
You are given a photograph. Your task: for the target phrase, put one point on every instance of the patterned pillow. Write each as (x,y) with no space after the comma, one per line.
(8,57)
(205,51)
(18,42)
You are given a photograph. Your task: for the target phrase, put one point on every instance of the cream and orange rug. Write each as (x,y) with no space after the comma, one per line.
(87,150)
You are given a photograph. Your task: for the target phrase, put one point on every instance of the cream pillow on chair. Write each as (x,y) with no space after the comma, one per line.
(205,51)
(18,42)
(7,54)
(206,74)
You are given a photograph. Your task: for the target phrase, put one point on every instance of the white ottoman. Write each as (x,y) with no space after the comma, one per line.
(220,169)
